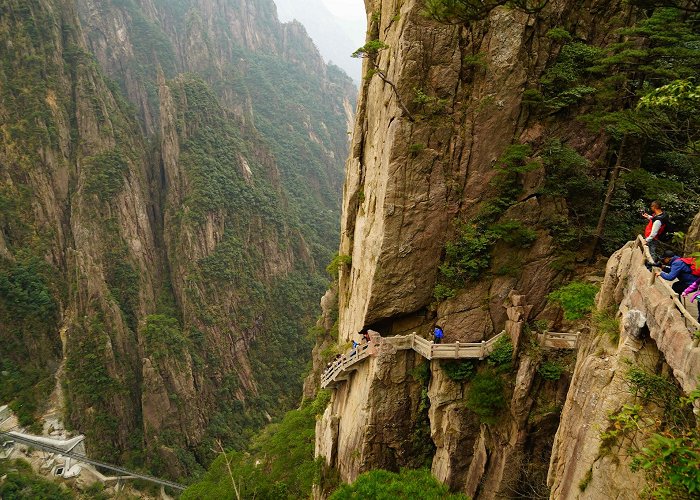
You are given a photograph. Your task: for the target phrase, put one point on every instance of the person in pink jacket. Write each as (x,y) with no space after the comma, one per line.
(689,291)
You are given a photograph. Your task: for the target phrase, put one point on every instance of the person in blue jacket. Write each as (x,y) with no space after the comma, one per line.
(438,334)
(677,270)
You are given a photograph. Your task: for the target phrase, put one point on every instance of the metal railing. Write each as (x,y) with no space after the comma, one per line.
(11,436)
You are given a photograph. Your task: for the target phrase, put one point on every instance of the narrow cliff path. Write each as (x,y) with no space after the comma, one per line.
(341,369)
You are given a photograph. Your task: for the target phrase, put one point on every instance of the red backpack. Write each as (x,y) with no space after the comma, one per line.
(692,264)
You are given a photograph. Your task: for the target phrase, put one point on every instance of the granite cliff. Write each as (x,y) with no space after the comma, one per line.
(157,169)
(453,157)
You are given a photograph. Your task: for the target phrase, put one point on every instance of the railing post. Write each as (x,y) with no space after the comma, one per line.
(483,350)
(457,349)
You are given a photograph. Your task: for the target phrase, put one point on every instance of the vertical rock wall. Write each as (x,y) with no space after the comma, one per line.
(409,177)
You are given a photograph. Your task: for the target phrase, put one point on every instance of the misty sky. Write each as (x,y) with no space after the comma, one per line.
(348,9)
(337,27)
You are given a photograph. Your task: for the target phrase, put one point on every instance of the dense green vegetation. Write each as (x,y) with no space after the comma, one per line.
(104,173)
(458,370)
(576,299)
(385,485)
(19,482)
(28,315)
(278,464)
(214,155)
(486,395)
(90,386)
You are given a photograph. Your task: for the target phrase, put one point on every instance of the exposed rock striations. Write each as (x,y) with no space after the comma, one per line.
(167,234)
(409,178)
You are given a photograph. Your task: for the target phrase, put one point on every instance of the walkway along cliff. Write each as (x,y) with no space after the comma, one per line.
(474,167)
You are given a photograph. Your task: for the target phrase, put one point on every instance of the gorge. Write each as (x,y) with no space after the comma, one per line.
(170,177)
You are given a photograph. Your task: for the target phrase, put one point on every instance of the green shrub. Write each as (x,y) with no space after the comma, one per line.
(540,325)
(486,396)
(576,299)
(513,233)
(458,370)
(559,34)
(25,289)
(502,353)
(415,149)
(532,97)
(385,485)
(563,82)
(672,464)
(443,292)
(583,483)
(477,60)
(339,261)
(607,323)
(467,256)
(20,482)
(550,370)
(370,48)
(104,173)
(163,336)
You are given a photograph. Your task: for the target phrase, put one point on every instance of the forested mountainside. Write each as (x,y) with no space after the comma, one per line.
(502,152)
(169,195)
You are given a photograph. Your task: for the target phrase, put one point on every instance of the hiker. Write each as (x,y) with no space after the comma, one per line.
(365,336)
(680,269)
(658,222)
(438,335)
(695,287)
(355,345)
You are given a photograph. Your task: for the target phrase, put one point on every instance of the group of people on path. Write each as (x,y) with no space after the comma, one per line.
(683,269)
(339,358)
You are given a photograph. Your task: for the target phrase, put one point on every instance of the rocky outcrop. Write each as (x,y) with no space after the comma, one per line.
(413,175)
(654,337)
(630,286)
(373,418)
(407,179)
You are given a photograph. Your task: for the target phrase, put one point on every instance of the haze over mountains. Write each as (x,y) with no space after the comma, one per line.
(337,27)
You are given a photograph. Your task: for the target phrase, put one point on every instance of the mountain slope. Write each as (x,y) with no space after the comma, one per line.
(167,207)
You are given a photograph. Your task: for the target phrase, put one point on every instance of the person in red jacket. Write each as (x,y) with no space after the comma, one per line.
(658,220)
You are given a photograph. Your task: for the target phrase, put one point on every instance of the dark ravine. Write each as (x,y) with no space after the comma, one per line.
(156,206)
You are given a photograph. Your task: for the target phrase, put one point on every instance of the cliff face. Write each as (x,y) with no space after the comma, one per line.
(169,238)
(409,179)
(653,336)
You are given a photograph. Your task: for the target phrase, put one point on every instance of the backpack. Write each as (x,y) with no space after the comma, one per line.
(667,230)
(692,264)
